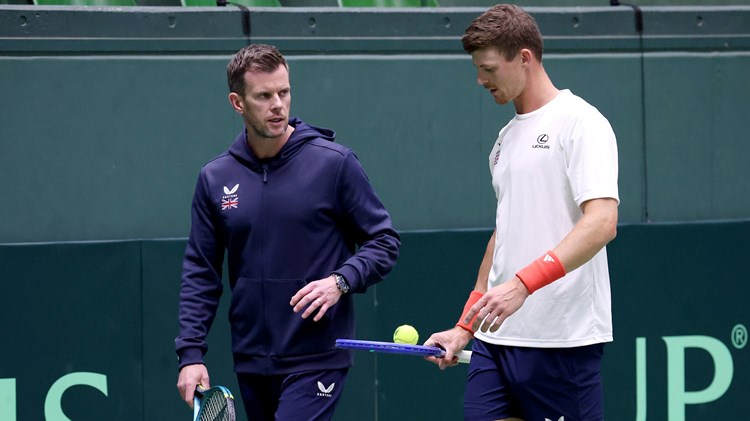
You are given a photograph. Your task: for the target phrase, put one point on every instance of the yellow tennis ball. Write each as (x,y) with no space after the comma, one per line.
(406,334)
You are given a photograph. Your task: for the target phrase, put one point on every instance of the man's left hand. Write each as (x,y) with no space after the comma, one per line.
(497,304)
(317,295)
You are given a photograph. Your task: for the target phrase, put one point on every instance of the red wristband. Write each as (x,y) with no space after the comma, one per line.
(541,272)
(473,298)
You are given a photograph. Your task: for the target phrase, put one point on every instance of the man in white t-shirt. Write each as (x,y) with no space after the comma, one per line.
(539,323)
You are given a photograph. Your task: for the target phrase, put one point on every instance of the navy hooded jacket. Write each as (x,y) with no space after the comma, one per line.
(285,221)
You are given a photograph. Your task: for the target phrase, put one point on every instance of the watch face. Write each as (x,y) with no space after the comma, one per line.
(341,284)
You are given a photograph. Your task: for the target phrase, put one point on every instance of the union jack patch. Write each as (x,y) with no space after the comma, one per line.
(231,199)
(230,203)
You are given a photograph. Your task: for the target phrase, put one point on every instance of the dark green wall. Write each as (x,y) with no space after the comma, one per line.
(107,115)
(110,308)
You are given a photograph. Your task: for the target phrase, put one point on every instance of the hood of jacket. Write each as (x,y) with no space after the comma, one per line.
(302,134)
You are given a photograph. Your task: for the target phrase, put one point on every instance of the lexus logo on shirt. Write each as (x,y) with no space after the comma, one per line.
(541,140)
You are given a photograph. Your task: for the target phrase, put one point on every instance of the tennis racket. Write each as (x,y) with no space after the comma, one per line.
(214,404)
(396,348)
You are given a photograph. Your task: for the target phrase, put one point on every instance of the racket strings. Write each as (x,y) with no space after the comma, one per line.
(217,407)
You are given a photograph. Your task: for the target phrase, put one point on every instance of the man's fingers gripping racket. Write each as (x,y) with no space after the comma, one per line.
(214,404)
(463,356)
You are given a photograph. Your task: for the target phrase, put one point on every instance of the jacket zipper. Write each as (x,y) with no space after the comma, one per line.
(262,266)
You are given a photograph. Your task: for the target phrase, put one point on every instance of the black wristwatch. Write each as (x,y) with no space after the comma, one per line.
(341,283)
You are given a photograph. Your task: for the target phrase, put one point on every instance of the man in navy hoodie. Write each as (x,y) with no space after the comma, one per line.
(302,229)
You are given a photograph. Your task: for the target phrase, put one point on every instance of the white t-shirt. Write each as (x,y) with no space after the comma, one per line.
(544,165)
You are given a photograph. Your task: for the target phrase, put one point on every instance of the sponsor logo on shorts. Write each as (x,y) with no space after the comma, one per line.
(325,392)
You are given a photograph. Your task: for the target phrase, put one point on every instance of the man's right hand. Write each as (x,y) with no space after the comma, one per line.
(452,341)
(190,377)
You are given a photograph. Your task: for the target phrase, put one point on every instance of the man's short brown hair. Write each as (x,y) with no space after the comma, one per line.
(255,58)
(506,27)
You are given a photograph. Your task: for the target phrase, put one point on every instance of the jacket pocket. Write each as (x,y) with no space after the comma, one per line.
(263,322)
(246,317)
(288,333)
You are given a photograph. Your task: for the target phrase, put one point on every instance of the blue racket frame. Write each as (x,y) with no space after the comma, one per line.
(397,348)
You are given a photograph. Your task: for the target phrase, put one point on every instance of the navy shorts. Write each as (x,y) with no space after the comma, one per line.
(303,396)
(534,383)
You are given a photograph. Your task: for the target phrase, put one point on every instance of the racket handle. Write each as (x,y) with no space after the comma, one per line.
(197,401)
(464,357)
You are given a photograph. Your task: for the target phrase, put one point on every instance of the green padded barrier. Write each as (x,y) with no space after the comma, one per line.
(248,3)
(388,3)
(69,310)
(85,2)
(309,3)
(89,328)
(590,3)
(676,284)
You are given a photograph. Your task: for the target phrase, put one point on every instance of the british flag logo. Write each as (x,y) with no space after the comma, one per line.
(231,203)
(231,199)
